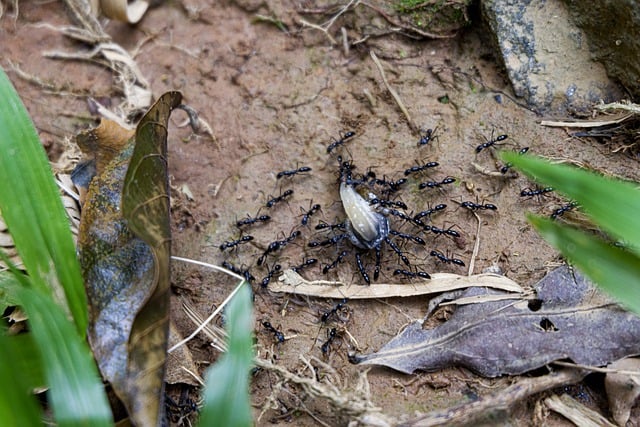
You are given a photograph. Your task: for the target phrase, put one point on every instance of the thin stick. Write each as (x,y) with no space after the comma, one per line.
(476,246)
(393,93)
(217,310)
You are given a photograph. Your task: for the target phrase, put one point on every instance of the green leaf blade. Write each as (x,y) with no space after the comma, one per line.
(612,204)
(76,391)
(614,269)
(32,209)
(226,393)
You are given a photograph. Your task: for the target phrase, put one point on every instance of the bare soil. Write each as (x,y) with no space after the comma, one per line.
(275,99)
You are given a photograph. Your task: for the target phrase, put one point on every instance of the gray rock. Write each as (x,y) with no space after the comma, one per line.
(612,28)
(547,57)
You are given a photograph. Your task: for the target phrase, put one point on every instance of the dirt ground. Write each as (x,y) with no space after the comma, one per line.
(275,99)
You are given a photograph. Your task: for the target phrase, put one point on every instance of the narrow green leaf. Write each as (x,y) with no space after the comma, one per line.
(76,392)
(18,406)
(614,269)
(226,396)
(33,211)
(612,204)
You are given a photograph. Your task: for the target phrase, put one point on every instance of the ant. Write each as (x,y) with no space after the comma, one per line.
(279,336)
(491,142)
(342,140)
(332,241)
(388,203)
(427,137)
(305,218)
(562,209)
(271,202)
(446,260)
(411,274)
(428,212)
(323,225)
(244,273)
(420,168)
(415,239)
(335,263)
(397,250)
(306,263)
(363,271)
(231,244)
(434,184)
(278,244)
(331,336)
(276,269)
(527,192)
(475,206)
(327,314)
(293,172)
(439,231)
(249,220)
(506,167)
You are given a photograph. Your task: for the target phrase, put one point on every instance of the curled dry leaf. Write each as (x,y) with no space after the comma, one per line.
(124,250)
(568,319)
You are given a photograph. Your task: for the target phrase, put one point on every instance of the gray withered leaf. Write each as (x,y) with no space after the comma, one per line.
(568,319)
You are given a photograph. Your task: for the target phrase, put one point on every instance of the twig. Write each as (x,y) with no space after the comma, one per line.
(217,310)
(394,94)
(502,400)
(476,246)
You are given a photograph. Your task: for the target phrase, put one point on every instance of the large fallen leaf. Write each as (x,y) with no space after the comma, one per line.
(568,319)
(124,250)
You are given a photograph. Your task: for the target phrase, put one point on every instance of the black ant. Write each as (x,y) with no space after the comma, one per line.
(271,202)
(231,244)
(427,137)
(278,244)
(439,231)
(388,203)
(434,184)
(363,271)
(429,212)
(306,263)
(446,260)
(244,273)
(397,250)
(335,263)
(293,172)
(414,239)
(527,192)
(411,274)
(276,269)
(249,220)
(327,314)
(491,142)
(420,168)
(342,140)
(508,166)
(279,336)
(332,241)
(562,209)
(331,336)
(305,218)
(475,206)
(323,225)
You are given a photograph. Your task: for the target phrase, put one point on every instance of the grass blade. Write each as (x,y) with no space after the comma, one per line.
(32,209)
(18,407)
(614,269)
(597,195)
(76,392)
(226,394)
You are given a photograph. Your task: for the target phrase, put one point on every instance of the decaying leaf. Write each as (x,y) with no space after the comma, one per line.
(124,250)
(568,318)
